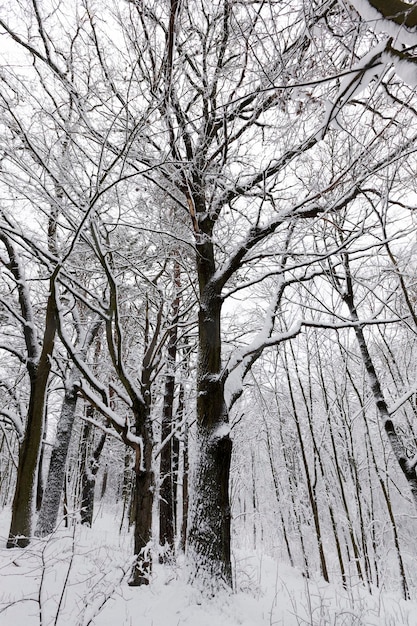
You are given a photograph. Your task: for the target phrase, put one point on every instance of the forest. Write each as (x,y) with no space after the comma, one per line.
(208,309)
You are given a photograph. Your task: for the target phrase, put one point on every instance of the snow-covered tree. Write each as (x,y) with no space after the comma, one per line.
(254,123)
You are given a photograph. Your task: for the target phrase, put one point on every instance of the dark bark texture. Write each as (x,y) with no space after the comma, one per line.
(143,502)
(208,545)
(21,526)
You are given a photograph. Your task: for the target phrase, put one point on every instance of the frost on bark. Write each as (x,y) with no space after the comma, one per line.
(48,514)
(51,500)
(27,472)
(208,546)
(166,493)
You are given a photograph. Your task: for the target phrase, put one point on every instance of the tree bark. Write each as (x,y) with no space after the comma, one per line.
(208,545)
(166,494)
(88,479)
(181,481)
(48,514)
(143,505)
(24,501)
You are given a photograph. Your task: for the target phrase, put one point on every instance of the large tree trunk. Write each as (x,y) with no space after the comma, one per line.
(23,508)
(143,505)
(208,545)
(48,514)
(24,500)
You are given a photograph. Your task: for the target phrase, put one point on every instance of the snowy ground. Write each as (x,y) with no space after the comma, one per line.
(78,578)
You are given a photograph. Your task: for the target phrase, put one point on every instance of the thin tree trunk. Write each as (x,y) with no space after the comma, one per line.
(253,500)
(185,495)
(126,488)
(340,481)
(408,468)
(166,494)
(370,498)
(104,482)
(311,485)
(7,467)
(387,499)
(40,487)
(57,467)
(277,494)
(88,479)
(185,501)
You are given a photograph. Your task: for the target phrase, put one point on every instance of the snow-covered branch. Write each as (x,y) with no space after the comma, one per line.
(244,359)
(121,426)
(14,420)
(394,17)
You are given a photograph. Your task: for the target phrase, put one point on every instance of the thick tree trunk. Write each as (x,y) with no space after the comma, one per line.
(208,545)
(143,505)
(23,508)
(48,514)
(24,500)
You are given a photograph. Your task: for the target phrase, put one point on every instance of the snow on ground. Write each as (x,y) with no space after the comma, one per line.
(78,577)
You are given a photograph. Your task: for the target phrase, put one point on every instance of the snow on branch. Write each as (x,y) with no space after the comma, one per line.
(121,425)
(405,64)
(402,400)
(77,357)
(8,444)
(14,420)
(394,17)
(370,67)
(350,323)
(244,359)
(14,352)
